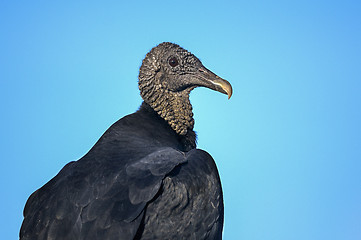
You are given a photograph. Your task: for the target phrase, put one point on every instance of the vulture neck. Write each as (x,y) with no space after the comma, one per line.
(176,109)
(173,107)
(187,140)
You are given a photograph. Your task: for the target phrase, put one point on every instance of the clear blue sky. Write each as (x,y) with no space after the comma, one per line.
(287,144)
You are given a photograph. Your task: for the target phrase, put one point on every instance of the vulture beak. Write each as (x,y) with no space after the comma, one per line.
(210,80)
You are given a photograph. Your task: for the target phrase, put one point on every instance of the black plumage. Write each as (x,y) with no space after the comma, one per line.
(144,178)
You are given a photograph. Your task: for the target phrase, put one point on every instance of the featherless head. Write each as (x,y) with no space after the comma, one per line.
(166,77)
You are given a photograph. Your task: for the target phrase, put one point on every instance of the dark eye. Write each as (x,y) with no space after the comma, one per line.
(173,61)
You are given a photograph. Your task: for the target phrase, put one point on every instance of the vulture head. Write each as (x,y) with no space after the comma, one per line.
(166,77)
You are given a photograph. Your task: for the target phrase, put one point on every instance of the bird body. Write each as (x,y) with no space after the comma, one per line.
(143,179)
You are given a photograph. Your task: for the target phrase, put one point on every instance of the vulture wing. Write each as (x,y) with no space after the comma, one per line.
(79,203)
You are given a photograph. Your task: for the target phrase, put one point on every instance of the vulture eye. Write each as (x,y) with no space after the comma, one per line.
(173,61)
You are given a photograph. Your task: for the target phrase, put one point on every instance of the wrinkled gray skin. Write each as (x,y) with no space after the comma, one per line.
(166,88)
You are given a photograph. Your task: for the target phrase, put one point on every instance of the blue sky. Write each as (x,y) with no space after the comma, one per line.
(287,144)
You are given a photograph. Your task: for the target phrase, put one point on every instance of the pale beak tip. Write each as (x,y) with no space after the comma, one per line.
(229,90)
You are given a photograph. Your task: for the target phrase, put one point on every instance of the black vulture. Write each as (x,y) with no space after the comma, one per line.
(144,178)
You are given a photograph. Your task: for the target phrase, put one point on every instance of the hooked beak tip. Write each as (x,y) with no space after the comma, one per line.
(212,81)
(225,86)
(229,90)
